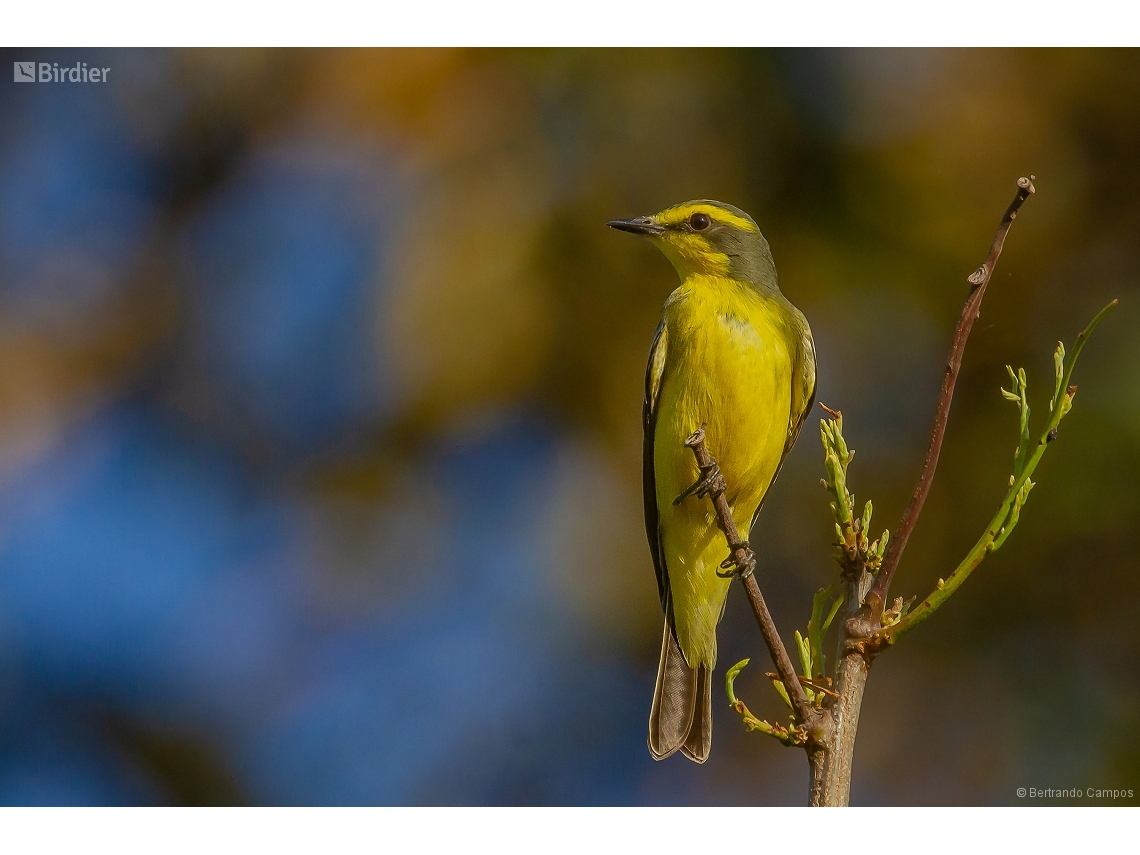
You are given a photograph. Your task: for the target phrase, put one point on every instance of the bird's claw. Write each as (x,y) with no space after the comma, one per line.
(741,561)
(711,483)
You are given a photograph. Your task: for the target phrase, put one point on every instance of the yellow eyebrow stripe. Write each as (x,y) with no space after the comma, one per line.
(680,213)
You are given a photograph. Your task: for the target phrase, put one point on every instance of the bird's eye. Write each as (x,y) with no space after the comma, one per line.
(700,222)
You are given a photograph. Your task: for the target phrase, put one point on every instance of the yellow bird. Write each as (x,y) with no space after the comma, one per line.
(733,354)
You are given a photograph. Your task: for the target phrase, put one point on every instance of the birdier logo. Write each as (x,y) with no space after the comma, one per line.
(50,72)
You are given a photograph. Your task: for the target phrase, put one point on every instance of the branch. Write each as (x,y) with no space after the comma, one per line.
(790,736)
(978,280)
(1019,486)
(742,558)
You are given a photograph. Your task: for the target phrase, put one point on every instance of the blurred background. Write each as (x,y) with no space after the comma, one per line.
(320,396)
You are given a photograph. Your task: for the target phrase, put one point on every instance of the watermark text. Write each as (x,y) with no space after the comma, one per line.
(1086,793)
(53,72)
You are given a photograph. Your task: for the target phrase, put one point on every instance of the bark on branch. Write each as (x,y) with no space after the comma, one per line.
(979,279)
(743,562)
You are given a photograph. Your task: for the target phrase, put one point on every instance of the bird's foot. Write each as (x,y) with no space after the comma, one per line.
(741,561)
(711,483)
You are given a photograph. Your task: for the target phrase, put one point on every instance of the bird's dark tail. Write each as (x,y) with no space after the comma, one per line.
(681,717)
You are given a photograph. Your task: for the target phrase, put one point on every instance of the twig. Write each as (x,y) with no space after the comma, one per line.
(790,736)
(978,280)
(1005,518)
(745,562)
(819,684)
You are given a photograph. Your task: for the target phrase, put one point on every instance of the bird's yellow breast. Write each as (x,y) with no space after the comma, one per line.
(728,365)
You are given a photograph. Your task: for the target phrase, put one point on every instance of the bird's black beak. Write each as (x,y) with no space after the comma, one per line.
(637,226)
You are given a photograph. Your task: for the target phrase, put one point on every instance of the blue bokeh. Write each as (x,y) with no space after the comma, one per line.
(140,569)
(79,193)
(283,274)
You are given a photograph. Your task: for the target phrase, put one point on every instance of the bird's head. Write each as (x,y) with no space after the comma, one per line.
(710,238)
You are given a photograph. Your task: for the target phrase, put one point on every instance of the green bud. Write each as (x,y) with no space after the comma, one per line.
(1059,371)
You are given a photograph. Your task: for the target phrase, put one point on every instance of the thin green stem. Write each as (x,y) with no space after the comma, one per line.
(1003,517)
(788,736)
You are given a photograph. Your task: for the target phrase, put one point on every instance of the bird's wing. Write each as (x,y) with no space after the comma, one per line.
(803,388)
(803,396)
(653,375)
